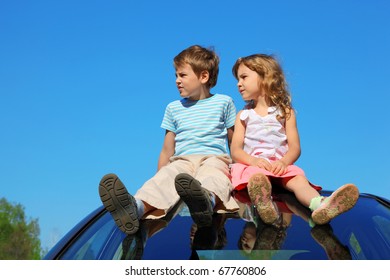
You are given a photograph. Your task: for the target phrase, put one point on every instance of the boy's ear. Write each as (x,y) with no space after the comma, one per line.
(204,76)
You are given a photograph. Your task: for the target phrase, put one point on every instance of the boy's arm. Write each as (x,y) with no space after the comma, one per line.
(230,136)
(167,150)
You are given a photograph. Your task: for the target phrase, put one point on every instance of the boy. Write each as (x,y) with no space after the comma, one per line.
(194,162)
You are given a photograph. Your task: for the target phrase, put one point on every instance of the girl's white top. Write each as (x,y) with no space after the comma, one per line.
(265,137)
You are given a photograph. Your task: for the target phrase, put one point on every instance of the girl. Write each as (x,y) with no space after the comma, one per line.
(265,145)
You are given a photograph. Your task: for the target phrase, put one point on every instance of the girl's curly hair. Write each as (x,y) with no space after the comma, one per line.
(272,80)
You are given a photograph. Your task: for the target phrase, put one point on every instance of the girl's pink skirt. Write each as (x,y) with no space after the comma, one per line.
(241,173)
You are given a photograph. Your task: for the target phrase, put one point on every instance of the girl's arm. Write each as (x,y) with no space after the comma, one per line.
(167,150)
(294,146)
(237,151)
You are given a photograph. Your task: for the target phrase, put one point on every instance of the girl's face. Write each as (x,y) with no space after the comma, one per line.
(248,83)
(188,83)
(248,239)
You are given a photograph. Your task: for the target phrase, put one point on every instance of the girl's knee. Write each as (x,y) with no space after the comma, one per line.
(296,182)
(301,178)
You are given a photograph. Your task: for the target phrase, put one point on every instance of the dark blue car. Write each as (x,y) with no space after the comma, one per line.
(363,233)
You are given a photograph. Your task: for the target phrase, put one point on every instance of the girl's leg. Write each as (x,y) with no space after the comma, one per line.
(259,190)
(334,249)
(295,206)
(303,191)
(324,209)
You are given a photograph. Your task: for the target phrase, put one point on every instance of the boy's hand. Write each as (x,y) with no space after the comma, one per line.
(278,167)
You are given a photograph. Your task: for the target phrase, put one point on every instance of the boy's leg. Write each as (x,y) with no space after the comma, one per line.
(213,174)
(159,192)
(121,205)
(196,197)
(211,237)
(132,247)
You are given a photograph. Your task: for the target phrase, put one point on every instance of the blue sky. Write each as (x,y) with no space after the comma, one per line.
(84,85)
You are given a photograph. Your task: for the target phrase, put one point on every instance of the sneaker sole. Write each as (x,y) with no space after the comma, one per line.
(259,190)
(119,203)
(134,252)
(335,250)
(342,200)
(195,197)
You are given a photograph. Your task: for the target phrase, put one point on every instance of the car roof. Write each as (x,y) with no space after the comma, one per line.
(361,233)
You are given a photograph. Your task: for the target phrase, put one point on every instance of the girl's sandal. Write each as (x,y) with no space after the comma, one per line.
(342,200)
(259,190)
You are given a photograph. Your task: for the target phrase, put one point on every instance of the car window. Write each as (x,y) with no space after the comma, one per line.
(91,244)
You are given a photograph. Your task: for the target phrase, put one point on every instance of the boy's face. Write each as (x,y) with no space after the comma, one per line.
(189,84)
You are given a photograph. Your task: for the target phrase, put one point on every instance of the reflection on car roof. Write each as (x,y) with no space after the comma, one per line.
(361,233)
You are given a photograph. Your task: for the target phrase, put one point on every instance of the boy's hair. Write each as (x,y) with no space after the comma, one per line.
(272,80)
(200,59)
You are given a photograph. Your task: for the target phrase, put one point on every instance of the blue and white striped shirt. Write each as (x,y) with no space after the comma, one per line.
(200,126)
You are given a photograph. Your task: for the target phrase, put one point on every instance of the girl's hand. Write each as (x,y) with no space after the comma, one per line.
(262,163)
(278,167)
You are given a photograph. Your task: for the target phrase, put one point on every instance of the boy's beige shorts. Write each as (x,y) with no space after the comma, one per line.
(212,171)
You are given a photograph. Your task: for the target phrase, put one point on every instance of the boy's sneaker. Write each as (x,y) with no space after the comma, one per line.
(119,203)
(132,247)
(196,197)
(259,190)
(205,238)
(342,200)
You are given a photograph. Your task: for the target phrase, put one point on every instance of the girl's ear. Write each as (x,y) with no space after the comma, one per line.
(204,76)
